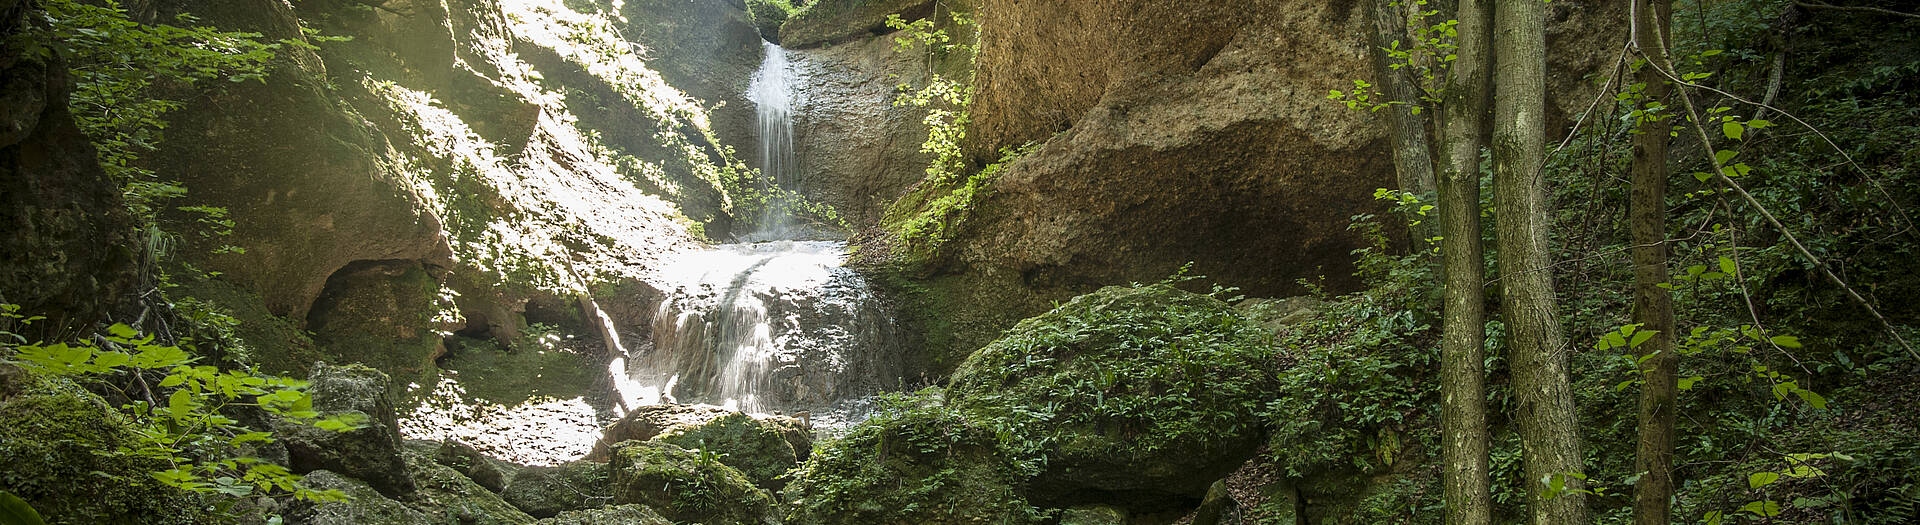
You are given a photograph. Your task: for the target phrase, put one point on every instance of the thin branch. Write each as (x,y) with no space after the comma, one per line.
(1819,5)
(1720,175)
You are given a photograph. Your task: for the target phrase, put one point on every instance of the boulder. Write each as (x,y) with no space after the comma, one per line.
(468,461)
(67,453)
(915,461)
(686,421)
(1149,394)
(379,314)
(363,506)
(545,492)
(450,497)
(614,515)
(371,453)
(759,450)
(687,485)
(1093,515)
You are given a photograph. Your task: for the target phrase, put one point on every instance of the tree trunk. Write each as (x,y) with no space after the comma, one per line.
(1412,160)
(1463,408)
(1653,305)
(1549,431)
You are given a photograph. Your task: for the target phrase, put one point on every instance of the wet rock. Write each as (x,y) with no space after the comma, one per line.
(1150,393)
(615,515)
(687,485)
(836,21)
(854,147)
(371,453)
(548,491)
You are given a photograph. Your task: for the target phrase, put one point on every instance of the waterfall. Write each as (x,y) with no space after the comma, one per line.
(772,92)
(777,325)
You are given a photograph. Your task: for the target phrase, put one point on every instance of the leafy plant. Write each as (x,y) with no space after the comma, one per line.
(183,418)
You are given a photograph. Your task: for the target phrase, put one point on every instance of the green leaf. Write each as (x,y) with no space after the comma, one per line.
(1713,517)
(1762,479)
(1812,398)
(1686,383)
(16,511)
(1722,156)
(123,331)
(1640,337)
(1765,509)
(1726,265)
(1732,130)
(180,404)
(1785,341)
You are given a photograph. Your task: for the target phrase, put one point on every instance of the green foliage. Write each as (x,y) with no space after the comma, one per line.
(183,419)
(128,76)
(916,461)
(15,511)
(934,211)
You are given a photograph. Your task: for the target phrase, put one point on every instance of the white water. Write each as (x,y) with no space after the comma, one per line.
(773,325)
(773,93)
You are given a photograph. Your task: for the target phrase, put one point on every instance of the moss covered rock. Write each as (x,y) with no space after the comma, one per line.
(549,491)
(371,453)
(1138,396)
(468,461)
(61,450)
(757,449)
(450,497)
(363,506)
(686,485)
(615,515)
(914,462)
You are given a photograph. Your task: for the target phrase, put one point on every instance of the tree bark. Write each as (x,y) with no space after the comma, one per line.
(1549,431)
(1412,158)
(1463,409)
(1653,305)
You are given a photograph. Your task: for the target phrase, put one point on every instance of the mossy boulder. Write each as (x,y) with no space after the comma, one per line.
(687,485)
(371,453)
(380,314)
(468,461)
(62,450)
(914,462)
(1138,396)
(363,506)
(545,492)
(768,15)
(616,515)
(756,448)
(450,497)
(652,421)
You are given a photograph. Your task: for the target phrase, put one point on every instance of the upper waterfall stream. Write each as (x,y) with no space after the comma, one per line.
(772,323)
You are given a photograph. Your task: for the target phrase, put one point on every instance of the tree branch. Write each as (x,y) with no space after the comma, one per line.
(1820,5)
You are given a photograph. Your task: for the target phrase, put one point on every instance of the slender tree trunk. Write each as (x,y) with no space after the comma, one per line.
(1463,399)
(1412,158)
(1653,305)
(1549,430)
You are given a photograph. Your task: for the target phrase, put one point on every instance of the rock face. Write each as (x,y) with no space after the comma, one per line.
(67,251)
(615,515)
(837,21)
(371,453)
(1173,133)
(854,149)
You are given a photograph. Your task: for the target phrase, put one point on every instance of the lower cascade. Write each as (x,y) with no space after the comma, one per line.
(778,325)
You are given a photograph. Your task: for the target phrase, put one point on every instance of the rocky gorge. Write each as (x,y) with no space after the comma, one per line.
(754,261)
